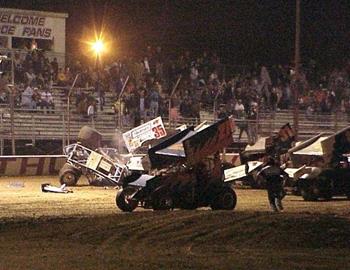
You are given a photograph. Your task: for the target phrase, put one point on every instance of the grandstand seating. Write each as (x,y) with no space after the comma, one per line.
(37,125)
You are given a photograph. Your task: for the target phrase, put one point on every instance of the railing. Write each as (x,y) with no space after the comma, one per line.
(41,122)
(40,125)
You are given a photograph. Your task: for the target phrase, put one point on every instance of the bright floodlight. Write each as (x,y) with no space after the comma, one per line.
(98,46)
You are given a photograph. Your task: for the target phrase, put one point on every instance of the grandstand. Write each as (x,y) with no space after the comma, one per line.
(37,125)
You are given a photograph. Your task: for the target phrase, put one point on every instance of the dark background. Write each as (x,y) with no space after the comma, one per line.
(240,31)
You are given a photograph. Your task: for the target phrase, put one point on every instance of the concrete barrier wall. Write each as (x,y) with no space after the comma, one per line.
(50,165)
(31,165)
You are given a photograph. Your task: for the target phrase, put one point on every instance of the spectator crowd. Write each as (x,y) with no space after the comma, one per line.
(178,86)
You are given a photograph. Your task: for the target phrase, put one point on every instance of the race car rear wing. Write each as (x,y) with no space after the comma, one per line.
(190,146)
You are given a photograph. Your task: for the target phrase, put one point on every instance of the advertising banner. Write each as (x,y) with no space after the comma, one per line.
(153,129)
(31,165)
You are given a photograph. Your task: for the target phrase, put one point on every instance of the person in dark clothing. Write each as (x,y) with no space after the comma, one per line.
(273,175)
(274,99)
(252,125)
(242,123)
(222,113)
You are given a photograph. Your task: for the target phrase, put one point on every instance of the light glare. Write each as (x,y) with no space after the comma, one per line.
(98,46)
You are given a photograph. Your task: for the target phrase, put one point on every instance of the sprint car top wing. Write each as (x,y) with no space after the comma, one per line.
(191,146)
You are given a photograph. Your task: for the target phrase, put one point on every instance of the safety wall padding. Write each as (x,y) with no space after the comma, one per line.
(31,165)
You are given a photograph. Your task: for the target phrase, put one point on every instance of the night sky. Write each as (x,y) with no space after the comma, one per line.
(243,31)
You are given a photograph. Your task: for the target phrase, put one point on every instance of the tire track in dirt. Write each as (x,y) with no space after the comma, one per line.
(224,227)
(162,229)
(140,228)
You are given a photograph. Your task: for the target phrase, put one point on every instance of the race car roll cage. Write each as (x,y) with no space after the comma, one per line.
(100,164)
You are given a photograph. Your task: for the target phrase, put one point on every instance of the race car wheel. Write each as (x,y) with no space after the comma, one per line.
(325,188)
(124,200)
(187,202)
(161,202)
(89,137)
(69,175)
(225,200)
(347,192)
(308,194)
(327,195)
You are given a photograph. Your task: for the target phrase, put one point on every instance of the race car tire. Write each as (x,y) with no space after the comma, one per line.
(308,193)
(327,195)
(347,194)
(161,202)
(225,200)
(69,175)
(123,200)
(324,188)
(89,137)
(187,202)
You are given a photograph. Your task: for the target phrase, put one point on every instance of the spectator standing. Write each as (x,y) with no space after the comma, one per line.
(61,78)
(146,64)
(91,110)
(194,74)
(252,125)
(239,107)
(241,118)
(3,97)
(265,85)
(142,105)
(18,66)
(174,108)
(54,65)
(185,107)
(273,99)
(100,89)
(154,102)
(27,98)
(159,62)
(4,90)
(222,113)
(30,77)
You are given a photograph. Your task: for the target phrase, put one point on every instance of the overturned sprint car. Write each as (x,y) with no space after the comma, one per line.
(101,166)
(107,166)
(185,172)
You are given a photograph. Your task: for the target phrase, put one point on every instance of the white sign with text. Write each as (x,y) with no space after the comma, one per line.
(153,129)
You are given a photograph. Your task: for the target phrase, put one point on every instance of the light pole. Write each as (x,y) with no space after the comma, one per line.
(11,89)
(68,106)
(119,99)
(171,96)
(297,75)
(98,47)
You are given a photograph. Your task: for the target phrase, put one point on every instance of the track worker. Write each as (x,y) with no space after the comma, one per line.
(273,175)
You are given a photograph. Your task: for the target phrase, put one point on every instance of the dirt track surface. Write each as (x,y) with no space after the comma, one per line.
(25,201)
(84,230)
(21,197)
